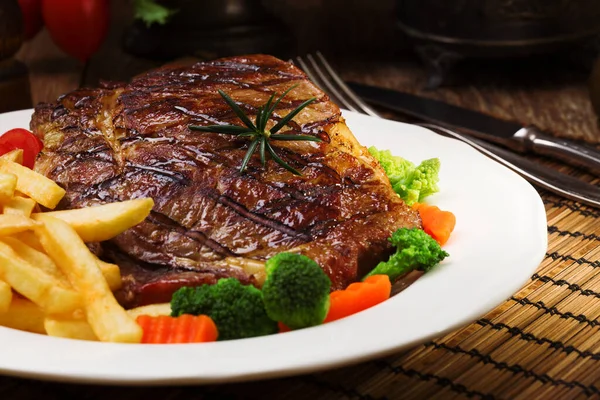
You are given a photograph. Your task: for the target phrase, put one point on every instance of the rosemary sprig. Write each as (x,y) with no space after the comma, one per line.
(257,131)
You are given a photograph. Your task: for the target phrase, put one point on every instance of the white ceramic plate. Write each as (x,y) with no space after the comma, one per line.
(500,239)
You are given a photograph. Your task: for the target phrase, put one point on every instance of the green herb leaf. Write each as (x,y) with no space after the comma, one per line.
(151,12)
(266,114)
(263,161)
(227,129)
(291,115)
(248,155)
(259,115)
(295,137)
(237,110)
(281,162)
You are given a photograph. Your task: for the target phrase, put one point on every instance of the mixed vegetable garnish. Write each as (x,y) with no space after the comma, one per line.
(296,293)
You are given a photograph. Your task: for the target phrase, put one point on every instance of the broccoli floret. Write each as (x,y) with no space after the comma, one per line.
(237,310)
(296,291)
(412,183)
(414,250)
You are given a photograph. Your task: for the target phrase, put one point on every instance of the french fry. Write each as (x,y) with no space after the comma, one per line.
(99,223)
(29,238)
(23,315)
(36,258)
(69,328)
(5,297)
(15,155)
(112,274)
(10,224)
(153,310)
(41,189)
(38,286)
(19,206)
(109,321)
(8,184)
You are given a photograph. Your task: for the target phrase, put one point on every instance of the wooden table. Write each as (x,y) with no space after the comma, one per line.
(543,342)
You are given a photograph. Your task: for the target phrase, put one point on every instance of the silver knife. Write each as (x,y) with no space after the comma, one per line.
(537,174)
(512,135)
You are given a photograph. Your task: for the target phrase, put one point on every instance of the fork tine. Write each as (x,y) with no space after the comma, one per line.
(318,80)
(315,73)
(336,77)
(330,84)
(308,71)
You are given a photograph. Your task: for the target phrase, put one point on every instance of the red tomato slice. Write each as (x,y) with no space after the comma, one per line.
(21,139)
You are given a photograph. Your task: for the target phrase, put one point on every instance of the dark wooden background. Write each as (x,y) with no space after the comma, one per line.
(360,38)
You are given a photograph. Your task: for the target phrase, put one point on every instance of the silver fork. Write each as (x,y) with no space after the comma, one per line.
(323,75)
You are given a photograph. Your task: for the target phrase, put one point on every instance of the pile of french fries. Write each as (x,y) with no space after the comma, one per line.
(50,282)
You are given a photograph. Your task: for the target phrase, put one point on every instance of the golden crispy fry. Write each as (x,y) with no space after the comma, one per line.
(10,224)
(34,185)
(29,239)
(5,296)
(153,310)
(112,274)
(23,315)
(15,156)
(38,286)
(99,223)
(109,321)
(8,184)
(19,206)
(36,258)
(69,328)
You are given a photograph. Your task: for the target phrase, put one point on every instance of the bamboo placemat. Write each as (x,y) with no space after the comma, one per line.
(543,342)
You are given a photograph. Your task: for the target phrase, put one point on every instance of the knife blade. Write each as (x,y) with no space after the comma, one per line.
(519,138)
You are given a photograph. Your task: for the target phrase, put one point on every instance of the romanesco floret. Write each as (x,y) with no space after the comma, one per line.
(296,291)
(237,310)
(412,183)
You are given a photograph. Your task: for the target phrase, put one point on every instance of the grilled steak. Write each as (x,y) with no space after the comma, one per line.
(125,141)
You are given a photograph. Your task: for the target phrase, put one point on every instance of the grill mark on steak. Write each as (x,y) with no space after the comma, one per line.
(161,219)
(210,221)
(261,220)
(176,176)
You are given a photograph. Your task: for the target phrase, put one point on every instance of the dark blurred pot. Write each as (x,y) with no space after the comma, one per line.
(498,28)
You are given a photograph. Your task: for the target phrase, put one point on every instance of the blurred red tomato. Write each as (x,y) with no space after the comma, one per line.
(78,27)
(32,17)
(21,139)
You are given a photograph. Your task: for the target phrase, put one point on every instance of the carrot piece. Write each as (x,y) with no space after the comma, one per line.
(283,328)
(358,296)
(183,329)
(436,223)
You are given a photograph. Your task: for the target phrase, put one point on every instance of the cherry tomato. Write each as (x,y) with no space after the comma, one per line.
(21,139)
(78,27)
(32,17)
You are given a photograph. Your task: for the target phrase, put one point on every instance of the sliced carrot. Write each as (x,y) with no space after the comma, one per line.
(436,223)
(358,296)
(183,329)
